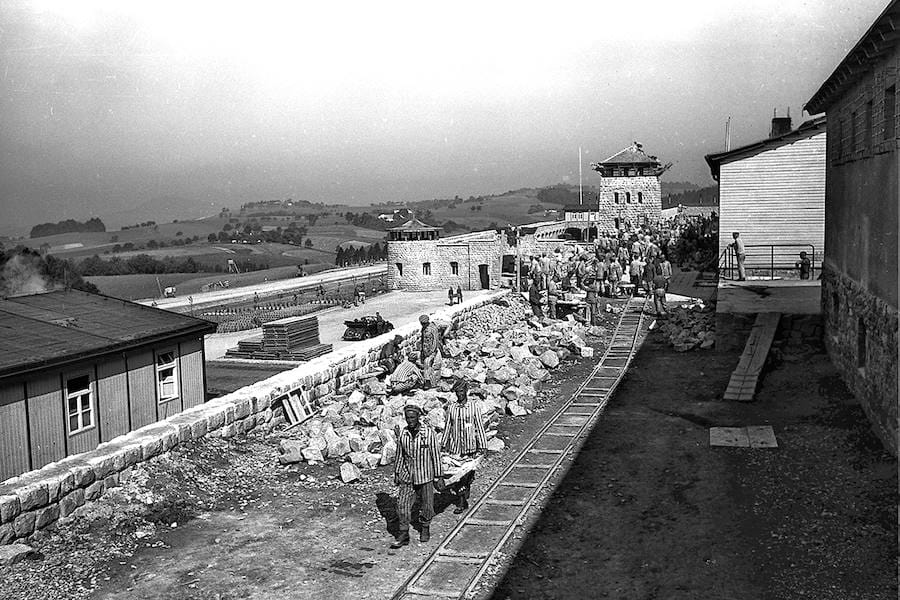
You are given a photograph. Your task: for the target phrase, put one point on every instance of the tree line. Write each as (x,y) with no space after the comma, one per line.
(351,255)
(67,226)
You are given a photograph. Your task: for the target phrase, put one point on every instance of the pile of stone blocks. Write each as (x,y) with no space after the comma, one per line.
(503,354)
(689,326)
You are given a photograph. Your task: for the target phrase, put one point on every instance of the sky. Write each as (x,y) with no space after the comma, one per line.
(112,104)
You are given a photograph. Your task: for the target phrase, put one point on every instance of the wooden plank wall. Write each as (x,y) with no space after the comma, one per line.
(191,370)
(46,419)
(14,455)
(776,196)
(141,387)
(33,421)
(112,398)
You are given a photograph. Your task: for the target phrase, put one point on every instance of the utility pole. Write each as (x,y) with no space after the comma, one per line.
(518,261)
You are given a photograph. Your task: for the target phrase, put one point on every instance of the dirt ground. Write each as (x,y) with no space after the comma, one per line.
(650,511)
(221,519)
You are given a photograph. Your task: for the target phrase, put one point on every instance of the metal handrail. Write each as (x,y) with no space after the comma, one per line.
(727,270)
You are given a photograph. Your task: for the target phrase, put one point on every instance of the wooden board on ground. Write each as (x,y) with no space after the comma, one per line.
(745,378)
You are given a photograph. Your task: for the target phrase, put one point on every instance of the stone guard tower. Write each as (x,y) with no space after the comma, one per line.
(629,189)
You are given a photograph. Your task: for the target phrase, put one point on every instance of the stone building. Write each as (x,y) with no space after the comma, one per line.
(419,259)
(859,280)
(629,189)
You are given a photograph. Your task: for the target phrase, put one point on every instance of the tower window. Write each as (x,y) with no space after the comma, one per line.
(640,197)
(867,140)
(400,269)
(861,345)
(426,268)
(628,197)
(890,106)
(454,268)
(616,196)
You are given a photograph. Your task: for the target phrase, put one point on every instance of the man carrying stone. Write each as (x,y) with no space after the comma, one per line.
(417,467)
(407,375)
(431,351)
(464,435)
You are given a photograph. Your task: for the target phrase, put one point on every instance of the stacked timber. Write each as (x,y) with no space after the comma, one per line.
(292,332)
(293,338)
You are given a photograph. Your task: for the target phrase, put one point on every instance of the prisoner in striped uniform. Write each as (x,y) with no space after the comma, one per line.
(406,376)
(417,466)
(464,435)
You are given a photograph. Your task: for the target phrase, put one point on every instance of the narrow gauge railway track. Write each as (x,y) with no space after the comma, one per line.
(460,561)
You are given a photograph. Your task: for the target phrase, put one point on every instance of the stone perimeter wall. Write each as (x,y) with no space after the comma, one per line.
(39,498)
(844,304)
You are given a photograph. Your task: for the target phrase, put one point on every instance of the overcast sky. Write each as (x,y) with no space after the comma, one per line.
(109,104)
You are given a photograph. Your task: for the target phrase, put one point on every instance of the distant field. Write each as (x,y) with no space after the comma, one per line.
(139,287)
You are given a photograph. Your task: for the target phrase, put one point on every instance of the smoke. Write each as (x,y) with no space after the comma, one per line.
(22,275)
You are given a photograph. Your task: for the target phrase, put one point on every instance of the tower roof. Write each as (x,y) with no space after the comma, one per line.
(414,224)
(632,155)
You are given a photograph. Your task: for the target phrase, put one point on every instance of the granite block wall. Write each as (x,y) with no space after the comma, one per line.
(40,498)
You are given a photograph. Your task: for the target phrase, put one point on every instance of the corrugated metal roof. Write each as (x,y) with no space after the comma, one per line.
(806,130)
(881,38)
(58,327)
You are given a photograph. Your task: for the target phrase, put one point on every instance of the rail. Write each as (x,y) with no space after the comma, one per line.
(460,561)
(768,258)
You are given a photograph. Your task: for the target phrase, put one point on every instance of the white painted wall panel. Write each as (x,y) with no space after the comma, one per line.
(776,196)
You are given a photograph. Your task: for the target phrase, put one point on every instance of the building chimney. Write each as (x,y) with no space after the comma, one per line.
(780,125)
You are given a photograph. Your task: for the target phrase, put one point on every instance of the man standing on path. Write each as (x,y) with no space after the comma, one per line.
(534,298)
(458,295)
(552,296)
(431,351)
(451,295)
(741,252)
(464,435)
(417,467)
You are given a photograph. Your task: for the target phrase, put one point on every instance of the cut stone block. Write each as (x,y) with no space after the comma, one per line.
(349,472)
(496,445)
(312,455)
(729,436)
(13,553)
(761,436)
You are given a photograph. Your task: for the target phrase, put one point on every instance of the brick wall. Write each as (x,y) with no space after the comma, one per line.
(848,307)
(649,206)
(39,498)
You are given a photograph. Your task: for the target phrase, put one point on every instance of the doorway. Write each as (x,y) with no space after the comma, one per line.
(485,277)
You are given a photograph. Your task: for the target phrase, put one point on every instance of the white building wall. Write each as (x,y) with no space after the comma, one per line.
(776,196)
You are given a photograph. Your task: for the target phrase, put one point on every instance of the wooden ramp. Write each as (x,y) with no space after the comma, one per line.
(742,385)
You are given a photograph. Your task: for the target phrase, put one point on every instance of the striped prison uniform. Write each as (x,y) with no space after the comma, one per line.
(418,464)
(464,435)
(405,377)
(431,353)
